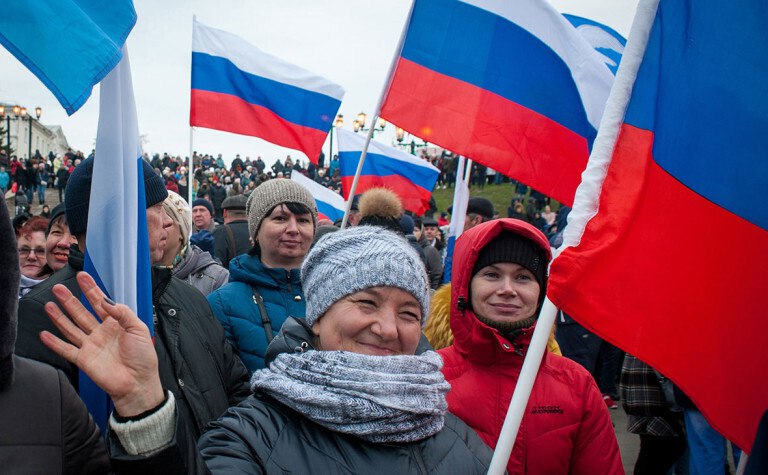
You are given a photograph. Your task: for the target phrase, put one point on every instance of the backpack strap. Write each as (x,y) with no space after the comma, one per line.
(265,321)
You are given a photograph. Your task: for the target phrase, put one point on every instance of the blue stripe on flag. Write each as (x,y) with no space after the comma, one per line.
(70,45)
(294,104)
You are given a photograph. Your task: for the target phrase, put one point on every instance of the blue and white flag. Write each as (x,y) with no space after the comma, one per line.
(607,41)
(117,241)
(330,205)
(70,45)
(458,216)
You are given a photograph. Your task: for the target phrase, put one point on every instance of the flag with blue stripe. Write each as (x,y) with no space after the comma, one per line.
(117,241)
(70,45)
(458,216)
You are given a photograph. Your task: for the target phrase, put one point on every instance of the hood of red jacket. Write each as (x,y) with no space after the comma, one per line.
(472,337)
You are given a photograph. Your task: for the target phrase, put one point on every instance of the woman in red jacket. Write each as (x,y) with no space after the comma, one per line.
(499,285)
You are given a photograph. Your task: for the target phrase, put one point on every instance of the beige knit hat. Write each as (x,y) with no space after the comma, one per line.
(272,193)
(180,214)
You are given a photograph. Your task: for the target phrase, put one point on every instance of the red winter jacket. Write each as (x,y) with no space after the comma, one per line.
(566,428)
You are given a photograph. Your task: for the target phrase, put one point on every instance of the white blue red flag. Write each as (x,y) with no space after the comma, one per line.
(458,216)
(117,241)
(607,41)
(238,88)
(70,45)
(329,204)
(669,231)
(410,177)
(511,85)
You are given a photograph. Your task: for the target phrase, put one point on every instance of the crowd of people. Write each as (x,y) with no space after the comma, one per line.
(283,343)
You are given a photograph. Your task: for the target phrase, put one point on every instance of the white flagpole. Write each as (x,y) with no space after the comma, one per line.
(602,151)
(375,118)
(190,175)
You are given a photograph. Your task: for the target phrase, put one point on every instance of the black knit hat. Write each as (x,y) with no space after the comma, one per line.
(511,247)
(9,297)
(57,211)
(205,203)
(77,195)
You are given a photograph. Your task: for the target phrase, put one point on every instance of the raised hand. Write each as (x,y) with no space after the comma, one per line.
(116,352)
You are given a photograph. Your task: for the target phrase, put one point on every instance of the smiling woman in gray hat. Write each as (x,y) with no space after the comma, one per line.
(264,286)
(347,389)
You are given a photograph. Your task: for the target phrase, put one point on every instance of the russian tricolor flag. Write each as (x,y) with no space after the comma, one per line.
(329,204)
(669,231)
(410,177)
(238,88)
(511,85)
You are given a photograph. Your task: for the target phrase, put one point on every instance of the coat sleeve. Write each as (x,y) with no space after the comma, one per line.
(84,450)
(596,449)
(32,319)
(236,375)
(217,307)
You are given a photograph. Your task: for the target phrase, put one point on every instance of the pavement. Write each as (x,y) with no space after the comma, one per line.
(629,444)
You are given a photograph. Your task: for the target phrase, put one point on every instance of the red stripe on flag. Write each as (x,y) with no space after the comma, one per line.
(414,198)
(677,281)
(487,128)
(232,114)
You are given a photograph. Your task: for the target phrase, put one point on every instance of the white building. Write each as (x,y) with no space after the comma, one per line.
(17,127)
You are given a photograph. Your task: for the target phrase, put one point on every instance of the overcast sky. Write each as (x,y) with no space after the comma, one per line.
(350,43)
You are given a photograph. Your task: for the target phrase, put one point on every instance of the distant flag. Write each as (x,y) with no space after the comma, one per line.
(511,85)
(330,205)
(668,234)
(117,241)
(607,41)
(410,177)
(458,216)
(70,45)
(238,88)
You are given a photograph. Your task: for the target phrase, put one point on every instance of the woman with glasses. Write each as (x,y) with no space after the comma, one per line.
(31,247)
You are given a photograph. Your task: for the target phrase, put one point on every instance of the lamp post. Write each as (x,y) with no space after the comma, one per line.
(7,118)
(400,136)
(337,123)
(359,124)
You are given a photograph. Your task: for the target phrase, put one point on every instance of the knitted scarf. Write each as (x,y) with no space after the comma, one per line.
(376,398)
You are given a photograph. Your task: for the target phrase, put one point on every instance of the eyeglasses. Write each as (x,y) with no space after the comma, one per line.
(25,251)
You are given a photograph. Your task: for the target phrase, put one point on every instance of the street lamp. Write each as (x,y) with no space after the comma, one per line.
(359,123)
(400,136)
(22,112)
(337,123)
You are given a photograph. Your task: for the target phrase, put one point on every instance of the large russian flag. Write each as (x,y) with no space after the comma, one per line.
(70,45)
(410,177)
(238,88)
(669,232)
(117,241)
(511,85)
(329,204)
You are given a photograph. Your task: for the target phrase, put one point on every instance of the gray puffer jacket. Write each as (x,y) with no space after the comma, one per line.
(201,271)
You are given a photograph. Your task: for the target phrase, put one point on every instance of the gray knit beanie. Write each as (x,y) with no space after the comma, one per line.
(359,258)
(272,193)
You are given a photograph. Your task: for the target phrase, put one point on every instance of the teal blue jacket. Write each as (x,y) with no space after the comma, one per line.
(233,305)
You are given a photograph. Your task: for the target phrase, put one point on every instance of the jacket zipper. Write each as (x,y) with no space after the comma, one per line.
(288,278)
(419,461)
(216,364)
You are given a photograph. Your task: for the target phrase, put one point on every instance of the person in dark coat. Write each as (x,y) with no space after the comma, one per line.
(218,195)
(348,390)
(195,361)
(232,238)
(45,426)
